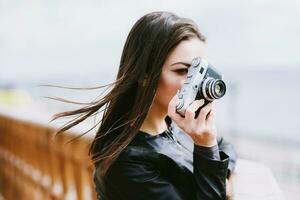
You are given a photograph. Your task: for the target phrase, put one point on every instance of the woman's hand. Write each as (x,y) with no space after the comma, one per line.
(202,129)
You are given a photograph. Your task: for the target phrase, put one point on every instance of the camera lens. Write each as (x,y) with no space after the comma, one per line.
(213,88)
(219,88)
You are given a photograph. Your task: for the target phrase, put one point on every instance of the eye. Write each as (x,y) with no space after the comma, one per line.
(182,71)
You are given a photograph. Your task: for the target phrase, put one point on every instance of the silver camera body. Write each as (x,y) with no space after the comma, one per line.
(202,82)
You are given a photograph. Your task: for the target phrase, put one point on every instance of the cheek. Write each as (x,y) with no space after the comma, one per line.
(167,88)
(170,84)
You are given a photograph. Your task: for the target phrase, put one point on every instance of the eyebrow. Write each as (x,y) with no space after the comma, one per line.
(184,63)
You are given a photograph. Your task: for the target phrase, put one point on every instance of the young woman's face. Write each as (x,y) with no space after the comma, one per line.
(175,70)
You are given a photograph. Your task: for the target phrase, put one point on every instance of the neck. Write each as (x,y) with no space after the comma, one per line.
(154,122)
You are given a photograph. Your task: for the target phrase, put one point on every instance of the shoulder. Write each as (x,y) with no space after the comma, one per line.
(142,147)
(133,166)
(138,154)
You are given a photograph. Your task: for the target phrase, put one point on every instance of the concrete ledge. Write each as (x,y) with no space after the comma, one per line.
(254,181)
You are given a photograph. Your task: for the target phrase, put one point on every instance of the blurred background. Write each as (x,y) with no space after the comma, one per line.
(255,44)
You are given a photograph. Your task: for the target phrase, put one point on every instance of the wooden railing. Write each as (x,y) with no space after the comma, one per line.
(36,165)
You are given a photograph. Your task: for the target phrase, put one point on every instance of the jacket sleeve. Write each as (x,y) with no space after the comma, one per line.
(228,148)
(212,174)
(141,180)
(224,146)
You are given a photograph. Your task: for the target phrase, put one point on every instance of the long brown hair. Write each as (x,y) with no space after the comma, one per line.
(148,44)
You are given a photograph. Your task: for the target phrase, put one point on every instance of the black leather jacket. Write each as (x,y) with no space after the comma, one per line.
(166,167)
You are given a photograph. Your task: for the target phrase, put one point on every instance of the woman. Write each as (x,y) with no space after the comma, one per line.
(139,151)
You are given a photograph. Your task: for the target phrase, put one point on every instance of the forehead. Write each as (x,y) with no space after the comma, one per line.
(186,50)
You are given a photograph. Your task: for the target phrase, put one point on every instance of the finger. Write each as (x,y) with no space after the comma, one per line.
(190,111)
(172,110)
(173,102)
(211,116)
(201,119)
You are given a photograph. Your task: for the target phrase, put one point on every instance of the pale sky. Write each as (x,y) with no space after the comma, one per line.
(53,40)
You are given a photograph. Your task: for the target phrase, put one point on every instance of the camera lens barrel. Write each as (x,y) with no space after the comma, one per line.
(213,89)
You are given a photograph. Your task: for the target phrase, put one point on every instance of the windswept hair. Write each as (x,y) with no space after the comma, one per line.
(125,107)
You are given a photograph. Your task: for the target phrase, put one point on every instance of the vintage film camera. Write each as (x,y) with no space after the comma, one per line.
(202,82)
